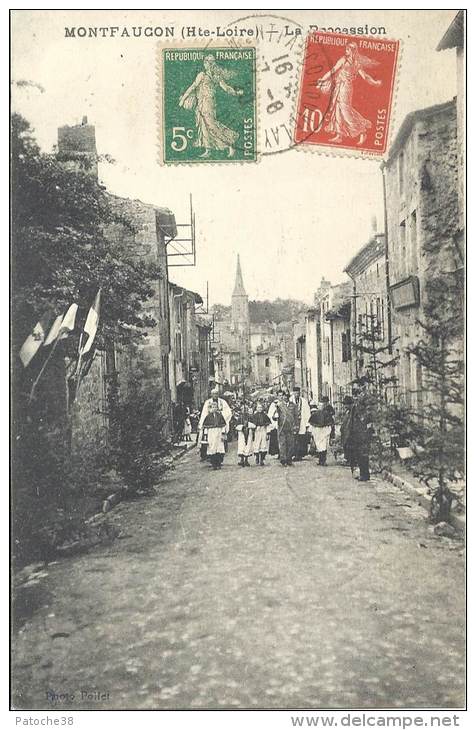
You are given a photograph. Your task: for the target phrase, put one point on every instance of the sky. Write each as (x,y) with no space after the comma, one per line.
(294,217)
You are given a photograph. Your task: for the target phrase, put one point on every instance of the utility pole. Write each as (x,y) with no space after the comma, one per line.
(387,262)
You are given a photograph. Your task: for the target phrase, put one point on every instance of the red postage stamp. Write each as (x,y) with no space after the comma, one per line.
(345,96)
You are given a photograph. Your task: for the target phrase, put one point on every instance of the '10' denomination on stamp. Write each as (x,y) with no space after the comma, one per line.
(346,91)
(208,105)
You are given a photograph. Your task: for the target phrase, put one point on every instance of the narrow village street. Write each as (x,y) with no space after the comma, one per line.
(252,588)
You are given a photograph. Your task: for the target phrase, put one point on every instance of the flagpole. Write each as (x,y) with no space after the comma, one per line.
(80,354)
(35,383)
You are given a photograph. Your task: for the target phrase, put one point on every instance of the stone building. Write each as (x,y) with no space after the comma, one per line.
(189,348)
(322,344)
(454,39)
(266,353)
(333,346)
(301,372)
(232,338)
(421,176)
(246,353)
(313,352)
(173,357)
(369,309)
(336,343)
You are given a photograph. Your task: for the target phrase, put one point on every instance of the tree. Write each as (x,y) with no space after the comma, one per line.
(439,427)
(374,384)
(62,252)
(278,310)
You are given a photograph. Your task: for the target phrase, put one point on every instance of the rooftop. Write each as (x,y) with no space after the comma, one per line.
(182,290)
(410,121)
(454,35)
(370,252)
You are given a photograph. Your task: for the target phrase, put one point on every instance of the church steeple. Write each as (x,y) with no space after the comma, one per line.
(240,316)
(239,290)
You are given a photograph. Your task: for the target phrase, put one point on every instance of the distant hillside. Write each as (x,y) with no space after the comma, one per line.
(278,310)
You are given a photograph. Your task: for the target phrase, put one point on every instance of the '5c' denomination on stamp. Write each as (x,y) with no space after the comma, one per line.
(208,105)
(346,92)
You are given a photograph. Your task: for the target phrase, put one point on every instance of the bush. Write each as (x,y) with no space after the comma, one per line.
(142,448)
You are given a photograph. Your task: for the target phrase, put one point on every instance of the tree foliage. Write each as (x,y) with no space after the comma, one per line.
(375,384)
(69,238)
(439,428)
(277,310)
(61,251)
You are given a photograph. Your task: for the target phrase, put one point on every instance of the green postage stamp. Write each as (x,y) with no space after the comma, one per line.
(208,105)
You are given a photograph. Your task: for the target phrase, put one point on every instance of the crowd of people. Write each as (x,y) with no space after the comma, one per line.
(283,425)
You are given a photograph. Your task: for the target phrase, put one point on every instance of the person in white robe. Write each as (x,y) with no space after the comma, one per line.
(261,440)
(222,407)
(304,412)
(214,434)
(273,415)
(321,422)
(245,429)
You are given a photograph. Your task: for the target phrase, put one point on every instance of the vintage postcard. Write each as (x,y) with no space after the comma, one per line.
(237,363)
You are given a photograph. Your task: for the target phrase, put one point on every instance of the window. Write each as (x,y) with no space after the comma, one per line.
(165,370)
(178,346)
(346,346)
(266,362)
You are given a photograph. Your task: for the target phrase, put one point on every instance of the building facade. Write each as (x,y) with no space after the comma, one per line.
(369,307)
(423,227)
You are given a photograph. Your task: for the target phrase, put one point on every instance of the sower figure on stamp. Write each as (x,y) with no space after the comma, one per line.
(214,431)
(262,423)
(200,96)
(341,119)
(303,412)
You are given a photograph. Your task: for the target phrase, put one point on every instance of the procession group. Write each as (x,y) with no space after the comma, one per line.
(289,427)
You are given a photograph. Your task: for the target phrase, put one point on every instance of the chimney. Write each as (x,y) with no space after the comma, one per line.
(373,225)
(77,147)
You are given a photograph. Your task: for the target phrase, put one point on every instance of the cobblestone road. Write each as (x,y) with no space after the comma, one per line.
(253,588)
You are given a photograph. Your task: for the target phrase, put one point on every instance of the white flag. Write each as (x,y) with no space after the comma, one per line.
(35,340)
(67,325)
(91,324)
(54,331)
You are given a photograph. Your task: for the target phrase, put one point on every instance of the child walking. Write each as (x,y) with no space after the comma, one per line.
(245,429)
(261,435)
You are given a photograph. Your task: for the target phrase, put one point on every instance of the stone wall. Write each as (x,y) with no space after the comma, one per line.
(423,222)
(89,417)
